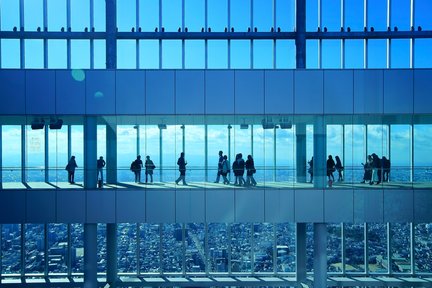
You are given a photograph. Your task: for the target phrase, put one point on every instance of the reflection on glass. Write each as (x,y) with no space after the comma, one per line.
(35,249)
(149,248)
(241,247)
(218,244)
(377,248)
(400,247)
(354,247)
(172,248)
(35,158)
(11,248)
(263,250)
(11,153)
(127,247)
(309,247)
(101,244)
(285,247)
(422,255)
(195,257)
(334,248)
(57,248)
(77,248)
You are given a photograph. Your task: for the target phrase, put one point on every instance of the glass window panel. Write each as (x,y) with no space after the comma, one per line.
(354,247)
(285,54)
(269,159)
(172,146)
(218,243)
(284,154)
(285,247)
(354,54)
(80,54)
(217,54)
(126,54)
(101,244)
(11,153)
(11,248)
(34,54)
(217,15)
(150,146)
(34,248)
(400,11)
(422,161)
(241,247)
(263,15)
(101,146)
(312,55)
(10,53)
(331,54)
(312,14)
(99,15)
(263,250)
(377,248)
(422,255)
(422,48)
(78,150)
(400,157)
(259,152)
(285,15)
(309,247)
(400,53)
(377,53)
(194,15)
(149,15)
(355,153)
(149,54)
(57,54)
(217,136)
(240,15)
(331,15)
(77,248)
(126,151)
(171,15)
(33,15)
(194,54)
(195,248)
(242,141)
(10,15)
(80,14)
(127,247)
(334,248)
(56,10)
(172,248)
(377,139)
(240,54)
(126,15)
(354,15)
(422,10)
(149,248)
(171,54)
(400,247)
(35,158)
(262,54)
(334,141)
(99,58)
(57,248)
(377,15)
(195,147)
(57,148)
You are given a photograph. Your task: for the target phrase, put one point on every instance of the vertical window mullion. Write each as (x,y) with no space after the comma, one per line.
(46,249)
(22,49)
(68,20)
(45,28)
(160,30)
(412,247)
(69,250)
(138,245)
(137,43)
(366,248)
(91,29)
(389,252)
(22,250)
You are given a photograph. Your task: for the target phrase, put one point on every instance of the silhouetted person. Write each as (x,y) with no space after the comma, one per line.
(385,169)
(238,169)
(100,165)
(339,168)
(225,169)
(136,166)
(376,169)
(219,172)
(367,176)
(330,168)
(181,162)
(71,166)
(149,167)
(310,170)
(250,170)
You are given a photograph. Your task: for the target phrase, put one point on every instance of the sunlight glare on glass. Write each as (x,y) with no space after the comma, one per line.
(98,94)
(78,75)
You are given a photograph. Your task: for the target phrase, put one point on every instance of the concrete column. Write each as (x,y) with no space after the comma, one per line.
(320,255)
(90,255)
(320,153)
(301,252)
(111,247)
(301,153)
(111,153)
(90,152)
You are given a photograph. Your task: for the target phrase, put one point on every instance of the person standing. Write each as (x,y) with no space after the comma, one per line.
(181,162)
(100,165)
(149,167)
(330,168)
(339,168)
(219,172)
(250,170)
(310,170)
(136,168)
(71,166)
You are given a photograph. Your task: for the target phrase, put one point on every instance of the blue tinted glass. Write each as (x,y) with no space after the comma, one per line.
(149,54)
(354,54)
(217,14)
(285,54)
(149,14)
(171,14)
(33,14)
(285,15)
(10,53)
(377,14)
(312,54)
(80,14)
(99,15)
(422,53)
(217,54)
(400,53)
(422,16)
(99,60)
(171,54)
(263,54)
(377,53)
(331,54)
(34,54)
(9,15)
(240,15)
(194,54)
(400,14)
(331,14)
(56,10)
(126,14)
(354,15)
(263,15)
(312,15)
(194,15)
(80,54)
(126,54)
(240,54)
(57,54)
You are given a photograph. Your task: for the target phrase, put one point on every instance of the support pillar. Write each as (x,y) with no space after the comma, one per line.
(301,252)
(90,255)
(111,153)
(320,255)
(46,160)
(301,153)
(90,152)
(23,154)
(320,153)
(160,154)
(111,247)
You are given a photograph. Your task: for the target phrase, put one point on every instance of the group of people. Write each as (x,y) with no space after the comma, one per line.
(137,165)
(332,166)
(376,170)
(239,166)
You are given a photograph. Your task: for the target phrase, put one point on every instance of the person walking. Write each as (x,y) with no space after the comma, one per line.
(100,165)
(339,168)
(310,170)
(181,162)
(250,170)
(70,167)
(149,167)
(225,169)
(219,172)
